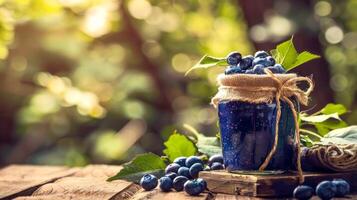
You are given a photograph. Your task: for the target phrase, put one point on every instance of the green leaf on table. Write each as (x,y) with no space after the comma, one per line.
(326,126)
(206,145)
(207,62)
(179,145)
(140,165)
(346,135)
(334,108)
(319,118)
(286,55)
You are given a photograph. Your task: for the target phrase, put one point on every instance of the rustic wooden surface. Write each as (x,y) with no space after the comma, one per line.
(267,185)
(26,182)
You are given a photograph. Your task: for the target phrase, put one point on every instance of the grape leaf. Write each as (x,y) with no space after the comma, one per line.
(179,145)
(334,108)
(207,62)
(140,165)
(206,145)
(301,59)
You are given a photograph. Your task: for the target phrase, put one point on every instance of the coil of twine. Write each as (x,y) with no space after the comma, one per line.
(266,89)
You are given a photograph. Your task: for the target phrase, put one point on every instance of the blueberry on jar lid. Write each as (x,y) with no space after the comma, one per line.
(234,58)
(233,70)
(245,63)
(261,54)
(258,69)
(270,60)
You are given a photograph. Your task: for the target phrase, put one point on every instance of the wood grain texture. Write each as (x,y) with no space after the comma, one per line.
(157,194)
(267,185)
(18,180)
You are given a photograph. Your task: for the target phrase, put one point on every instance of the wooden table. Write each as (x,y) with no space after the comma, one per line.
(28,182)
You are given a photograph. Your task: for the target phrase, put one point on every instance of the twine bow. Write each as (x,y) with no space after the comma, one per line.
(281,91)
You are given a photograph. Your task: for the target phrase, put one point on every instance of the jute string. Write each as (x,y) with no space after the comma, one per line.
(278,89)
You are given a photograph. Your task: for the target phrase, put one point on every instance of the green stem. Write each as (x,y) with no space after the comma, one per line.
(310,133)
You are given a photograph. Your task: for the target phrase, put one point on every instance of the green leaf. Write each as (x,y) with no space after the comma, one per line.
(286,53)
(140,165)
(301,59)
(328,125)
(179,145)
(306,141)
(334,108)
(346,135)
(319,118)
(206,145)
(207,62)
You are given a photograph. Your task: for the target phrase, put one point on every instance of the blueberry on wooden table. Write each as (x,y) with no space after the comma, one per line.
(171,175)
(181,161)
(215,158)
(195,169)
(342,187)
(207,168)
(192,160)
(178,183)
(165,183)
(148,182)
(234,58)
(217,166)
(303,192)
(203,183)
(326,190)
(173,167)
(193,187)
(184,171)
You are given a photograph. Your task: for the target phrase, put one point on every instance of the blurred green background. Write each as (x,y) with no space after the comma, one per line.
(98,81)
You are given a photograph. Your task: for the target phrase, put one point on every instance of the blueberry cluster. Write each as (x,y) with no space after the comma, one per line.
(325,190)
(182,174)
(252,64)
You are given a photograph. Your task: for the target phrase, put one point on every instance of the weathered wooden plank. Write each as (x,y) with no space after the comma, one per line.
(236,197)
(100,171)
(158,195)
(267,185)
(16,180)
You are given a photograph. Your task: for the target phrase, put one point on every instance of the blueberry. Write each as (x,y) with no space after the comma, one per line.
(207,168)
(171,175)
(148,182)
(326,190)
(215,158)
(270,60)
(203,183)
(245,63)
(249,59)
(261,54)
(276,69)
(342,187)
(178,183)
(303,192)
(217,166)
(195,169)
(233,70)
(258,69)
(192,160)
(181,161)
(184,171)
(261,61)
(234,58)
(173,167)
(280,68)
(193,187)
(165,183)
(249,71)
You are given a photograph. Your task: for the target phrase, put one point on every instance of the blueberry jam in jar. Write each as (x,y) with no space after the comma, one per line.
(247,135)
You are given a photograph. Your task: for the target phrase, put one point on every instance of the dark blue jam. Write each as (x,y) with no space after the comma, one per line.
(247,135)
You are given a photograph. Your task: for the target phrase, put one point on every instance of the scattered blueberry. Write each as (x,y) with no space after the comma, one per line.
(249,71)
(261,54)
(193,187)
(207,168)
(303,192)
(234,58)
(217,166)
(165,183)
(192,160)
(148,182)
(203,183)
(181,161)
(184,171)
(178,183)
(215,158)
(195,169)
(233,70)
(258,69)
(342,187)
(173,167)
(171,175)
(326,190)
